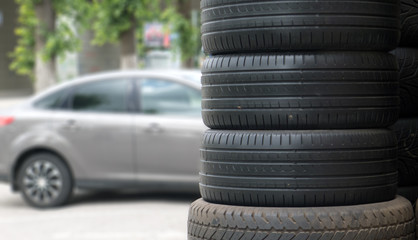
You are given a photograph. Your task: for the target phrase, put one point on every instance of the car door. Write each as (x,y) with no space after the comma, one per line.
(168,130)
(99,128)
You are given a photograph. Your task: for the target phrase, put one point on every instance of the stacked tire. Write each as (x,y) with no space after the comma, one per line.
(299,96)
(406,128)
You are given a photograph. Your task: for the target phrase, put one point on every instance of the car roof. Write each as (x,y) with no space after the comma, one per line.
(188,77)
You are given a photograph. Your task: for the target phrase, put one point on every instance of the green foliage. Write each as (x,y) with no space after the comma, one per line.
(59,41)
(23,54)
(113,17)
(188,40)
(108,18)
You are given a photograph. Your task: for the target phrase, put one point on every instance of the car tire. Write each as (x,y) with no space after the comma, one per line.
(416,219)
(406,130)
(238,26)
(321,90)
(298,168)
(45,181)
(408,83)
(385,220)
(409,23)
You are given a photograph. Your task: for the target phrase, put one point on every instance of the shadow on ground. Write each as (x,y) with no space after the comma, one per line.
(92,197)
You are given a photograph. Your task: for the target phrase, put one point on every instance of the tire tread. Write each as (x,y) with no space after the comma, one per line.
(300,91)
(298,168)
(245,26)
(386,220)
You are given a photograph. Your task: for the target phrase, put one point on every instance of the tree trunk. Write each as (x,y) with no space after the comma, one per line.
(184,7)
(45,71)
(128,58)
(189,63)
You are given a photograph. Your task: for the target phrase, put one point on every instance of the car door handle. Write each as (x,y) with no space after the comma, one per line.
(154,128)
(70,124)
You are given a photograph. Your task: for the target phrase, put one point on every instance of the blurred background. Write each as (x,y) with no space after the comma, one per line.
(47,42)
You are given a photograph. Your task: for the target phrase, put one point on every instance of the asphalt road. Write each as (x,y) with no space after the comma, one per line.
(97,216)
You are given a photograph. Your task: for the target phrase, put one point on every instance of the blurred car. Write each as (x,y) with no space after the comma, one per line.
(118,130)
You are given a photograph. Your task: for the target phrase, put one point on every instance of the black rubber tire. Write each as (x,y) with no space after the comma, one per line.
(298,168)
(410,193)
(67,182)
(416,219)
(321,90)
(383,221)
(409,23)
(408,83)
(406,130)
(238,26)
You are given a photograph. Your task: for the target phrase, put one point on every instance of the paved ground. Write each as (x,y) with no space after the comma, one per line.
(97,216)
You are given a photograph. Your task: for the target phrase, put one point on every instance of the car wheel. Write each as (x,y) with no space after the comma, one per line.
(385,220)
(298,168)
(238,26)
(408,80)
(317,90)
(45,181)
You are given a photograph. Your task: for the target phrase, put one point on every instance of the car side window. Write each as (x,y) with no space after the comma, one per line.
(101,96)
(163,97)
(52,101)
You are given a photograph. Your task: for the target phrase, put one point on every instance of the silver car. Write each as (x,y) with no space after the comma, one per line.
(119,130)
